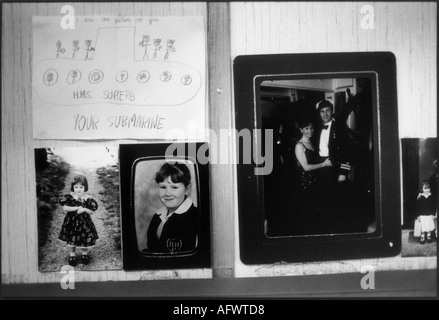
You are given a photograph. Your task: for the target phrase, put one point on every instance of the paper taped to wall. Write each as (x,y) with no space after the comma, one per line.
(119,77)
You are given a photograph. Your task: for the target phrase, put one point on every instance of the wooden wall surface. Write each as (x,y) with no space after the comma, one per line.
(407,29)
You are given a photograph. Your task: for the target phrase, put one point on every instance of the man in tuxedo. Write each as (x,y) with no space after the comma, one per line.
(335,193)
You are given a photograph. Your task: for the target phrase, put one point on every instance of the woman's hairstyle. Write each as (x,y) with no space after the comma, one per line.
(80,179)
(425,183)
(305,121)
(178,172)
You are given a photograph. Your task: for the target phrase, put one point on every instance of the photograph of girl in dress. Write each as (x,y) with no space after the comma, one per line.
(420,206)
(166,212)
(78,208)
(78,229)
(426,209)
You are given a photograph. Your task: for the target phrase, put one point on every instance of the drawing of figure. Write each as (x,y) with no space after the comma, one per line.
(75,48)
(166,76)
(50,77)
(59,48)
(169,47)
(157,47)
(186,80)
(88,48)
(145,43)
(73,76)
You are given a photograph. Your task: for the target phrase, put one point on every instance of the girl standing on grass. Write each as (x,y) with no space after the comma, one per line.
(78,229)
(426,210)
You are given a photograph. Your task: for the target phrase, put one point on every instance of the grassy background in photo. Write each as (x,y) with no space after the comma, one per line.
(51,172)
(109,179)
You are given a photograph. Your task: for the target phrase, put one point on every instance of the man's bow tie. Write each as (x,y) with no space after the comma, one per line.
(325,127)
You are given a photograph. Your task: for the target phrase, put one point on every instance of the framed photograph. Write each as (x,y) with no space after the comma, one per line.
(78,208)
(420,192)
(165,207)
(326,125)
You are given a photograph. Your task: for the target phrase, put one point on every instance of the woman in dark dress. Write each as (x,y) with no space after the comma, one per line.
(308,160)
(173,229)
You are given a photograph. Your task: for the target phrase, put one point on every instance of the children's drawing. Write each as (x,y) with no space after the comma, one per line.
(166,76)
(75,48)
(143,76)
(186,80)
(122,76)
(88,48)
(50,77)
(126,80)
(74,76)
(145,43)
(157,47)
(169,48)
(95,78)
(59,48)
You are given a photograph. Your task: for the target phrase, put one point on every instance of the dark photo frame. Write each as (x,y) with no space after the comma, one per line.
(376,231)
(187,235)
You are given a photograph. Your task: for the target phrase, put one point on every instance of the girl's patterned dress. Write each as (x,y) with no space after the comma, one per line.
(78,229)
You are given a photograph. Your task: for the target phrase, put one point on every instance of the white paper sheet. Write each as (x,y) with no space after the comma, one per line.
(119,77)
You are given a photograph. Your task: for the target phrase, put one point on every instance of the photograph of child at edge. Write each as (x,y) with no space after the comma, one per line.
(426,210)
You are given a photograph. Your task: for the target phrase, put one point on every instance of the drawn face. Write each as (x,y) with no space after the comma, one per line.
(172,193)
(79,189)
(146,38)
(157,42)
(58,44)
(308,131)
(87,43)
(75,43)
(326,114)
(171,43)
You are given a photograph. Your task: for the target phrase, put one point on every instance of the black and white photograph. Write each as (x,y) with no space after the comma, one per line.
(420,177)
(165,208)
(333,189)
(178,150)
(78,208)
(323,156)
